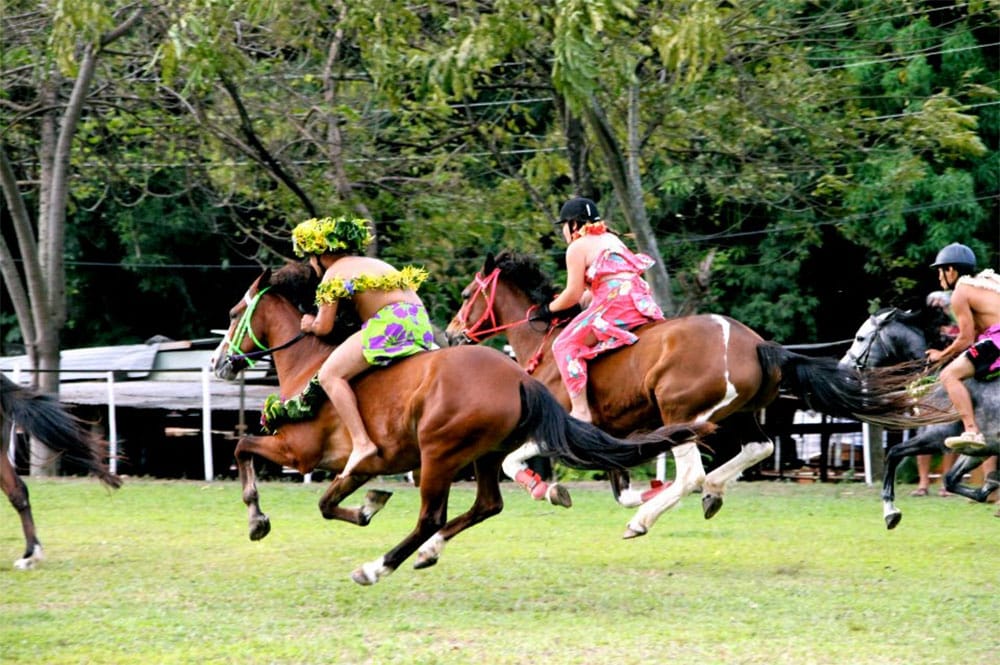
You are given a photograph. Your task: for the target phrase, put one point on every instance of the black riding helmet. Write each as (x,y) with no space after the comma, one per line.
(956,254)
(579,209)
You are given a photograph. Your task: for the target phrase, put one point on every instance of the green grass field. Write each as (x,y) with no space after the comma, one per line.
(163,572)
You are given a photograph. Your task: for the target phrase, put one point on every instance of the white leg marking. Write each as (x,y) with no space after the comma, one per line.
(29,562)
(690,476)
(371,572)
(431,550)
(750,454)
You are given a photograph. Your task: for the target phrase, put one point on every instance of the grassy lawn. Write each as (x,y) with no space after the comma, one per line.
(163,572)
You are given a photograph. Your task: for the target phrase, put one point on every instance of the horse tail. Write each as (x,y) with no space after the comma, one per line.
(828,387)
(44,418)
(581,445)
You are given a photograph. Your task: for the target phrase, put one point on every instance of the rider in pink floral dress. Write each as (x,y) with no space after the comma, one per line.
(619,298)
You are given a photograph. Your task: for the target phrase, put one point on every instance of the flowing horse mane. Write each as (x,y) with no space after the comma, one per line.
(926,320)
(525,273)
(296,282)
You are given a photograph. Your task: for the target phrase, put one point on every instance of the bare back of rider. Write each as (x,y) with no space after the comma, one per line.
(394,325)
(975,302)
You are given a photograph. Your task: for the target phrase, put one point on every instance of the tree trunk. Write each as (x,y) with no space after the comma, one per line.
(628,190)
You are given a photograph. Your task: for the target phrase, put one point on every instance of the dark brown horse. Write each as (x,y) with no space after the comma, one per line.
(45,419)
(438,411)
(703,368)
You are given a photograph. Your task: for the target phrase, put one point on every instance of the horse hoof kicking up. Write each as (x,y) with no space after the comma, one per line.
(710,505)
(559,496)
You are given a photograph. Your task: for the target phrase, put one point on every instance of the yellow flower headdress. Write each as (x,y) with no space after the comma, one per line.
(329,234)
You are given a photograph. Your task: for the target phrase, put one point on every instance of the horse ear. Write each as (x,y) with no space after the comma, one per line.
(490,264)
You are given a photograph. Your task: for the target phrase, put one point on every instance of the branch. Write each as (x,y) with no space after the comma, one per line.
(262,153)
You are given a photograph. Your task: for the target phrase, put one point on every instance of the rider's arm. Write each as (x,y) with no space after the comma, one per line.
(576,267)
(962,310)
(322,323)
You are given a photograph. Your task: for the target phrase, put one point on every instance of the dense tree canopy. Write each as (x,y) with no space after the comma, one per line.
(788,161)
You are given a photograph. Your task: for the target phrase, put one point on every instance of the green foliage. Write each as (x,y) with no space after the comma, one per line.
(771,140)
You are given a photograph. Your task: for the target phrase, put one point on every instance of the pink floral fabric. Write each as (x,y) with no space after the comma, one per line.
(622,300)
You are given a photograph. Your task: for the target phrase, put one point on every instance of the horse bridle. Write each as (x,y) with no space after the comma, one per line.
(861,361)
(244,329)
(486,287)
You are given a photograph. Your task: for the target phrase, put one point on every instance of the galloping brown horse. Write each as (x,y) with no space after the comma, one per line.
(45,419)
(438,411)
(703,368)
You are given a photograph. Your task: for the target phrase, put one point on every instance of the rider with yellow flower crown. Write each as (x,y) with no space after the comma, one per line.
(394,321)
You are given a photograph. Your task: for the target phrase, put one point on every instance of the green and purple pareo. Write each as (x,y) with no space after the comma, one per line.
(396,331)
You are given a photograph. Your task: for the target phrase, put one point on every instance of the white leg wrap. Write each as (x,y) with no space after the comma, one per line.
(690,476)
(517,459)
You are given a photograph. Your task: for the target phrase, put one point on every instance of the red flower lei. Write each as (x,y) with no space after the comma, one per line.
(590,229)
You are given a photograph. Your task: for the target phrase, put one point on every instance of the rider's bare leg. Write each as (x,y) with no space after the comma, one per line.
(344,363)
(580,407)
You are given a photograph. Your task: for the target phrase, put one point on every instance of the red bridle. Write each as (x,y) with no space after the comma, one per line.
(487,288)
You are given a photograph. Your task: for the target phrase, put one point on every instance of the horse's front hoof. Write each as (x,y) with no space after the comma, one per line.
(361,578)
(710,505)
(892,519)
(27,563)
(633,532)
(260,527)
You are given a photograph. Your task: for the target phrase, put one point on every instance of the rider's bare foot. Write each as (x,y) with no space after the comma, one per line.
(358,455)
(582,415)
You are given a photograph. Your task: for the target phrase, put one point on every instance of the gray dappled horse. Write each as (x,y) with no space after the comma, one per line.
(893,336)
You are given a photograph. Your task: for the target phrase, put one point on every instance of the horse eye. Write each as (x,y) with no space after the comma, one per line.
(859,338)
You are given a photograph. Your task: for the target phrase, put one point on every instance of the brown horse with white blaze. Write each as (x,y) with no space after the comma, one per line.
(702,368)
(438,411)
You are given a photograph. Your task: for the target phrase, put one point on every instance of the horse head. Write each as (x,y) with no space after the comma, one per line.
(499,297)
(229,358)
(887,337)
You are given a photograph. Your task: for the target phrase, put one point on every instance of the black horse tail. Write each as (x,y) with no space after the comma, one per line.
(828,387)
(581,445)
(44,418)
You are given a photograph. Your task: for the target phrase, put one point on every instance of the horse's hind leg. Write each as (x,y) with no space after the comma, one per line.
(488,502)
(344,486)
(925,442)
(435,484)
(963,465)
(715,482)
(690,476)
(17,493)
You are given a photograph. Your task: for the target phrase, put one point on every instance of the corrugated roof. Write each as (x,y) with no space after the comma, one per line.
(161,374)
